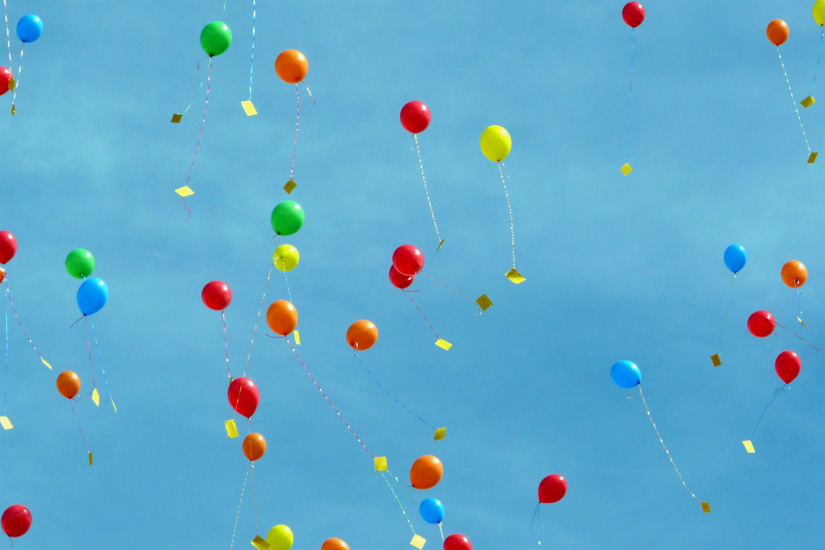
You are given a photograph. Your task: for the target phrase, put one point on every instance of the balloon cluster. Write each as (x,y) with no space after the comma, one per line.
(93,292)
(407,262)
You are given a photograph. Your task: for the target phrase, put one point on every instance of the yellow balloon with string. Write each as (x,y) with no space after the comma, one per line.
(286,257)
(819,12)
(495,143)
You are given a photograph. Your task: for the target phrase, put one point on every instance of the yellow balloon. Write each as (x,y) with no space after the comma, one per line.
(496,143)
(819,12)
(279,538)
(286,257)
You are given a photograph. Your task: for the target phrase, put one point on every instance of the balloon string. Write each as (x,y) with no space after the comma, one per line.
(8,35)
(89,349)
(102,369)
(426,189)
(11,303)
(257,319)
(818,57)
(454,291)
(327,398)
(509,209)
(195,96)
(441,529)
(203,123)
(82,435)
(665,447)
(629,95)
(17,82)
(799,302)
(226,343)
(255,499)
(798,336)
(727,311)
(374,379)
(398,500)
(6,377)
(252,59)
(804,135)
(776,394)
(538,523)
(297,128)
(238,514)
(407,294)
(288,291)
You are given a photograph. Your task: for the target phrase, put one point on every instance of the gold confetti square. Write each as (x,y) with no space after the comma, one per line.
(184,191)
(808,101)
(96,397)
(90,458)
(380,463)
(418,541)
(706,507)
(176,118)
(626,169)
(440,433)
(12,84)
(812,158)
(45,362)
(484,302)
(6,423)
(443,344)
(801,322)
(749,446)
(440,245)
(248,108)
(515,276)
(13,109)
(231,429)
(290,185)
(715,360)
(297,338)
(260,543)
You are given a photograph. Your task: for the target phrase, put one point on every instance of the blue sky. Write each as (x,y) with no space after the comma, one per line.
(617,268)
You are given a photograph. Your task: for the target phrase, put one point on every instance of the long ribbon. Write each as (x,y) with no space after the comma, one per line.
(795,108)
(252,59)
(510,210)
(629,96)
(238,514)
(426,190)
(297,129)
(225,343)
(19,322)
(257,319)
(776,393)
(407,294)
(203,124)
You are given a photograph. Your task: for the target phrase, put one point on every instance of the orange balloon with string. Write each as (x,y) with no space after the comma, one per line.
(282,317)
(2,274)
(291,66)
(362,335)
(778,32)
(68,384)
(426,472)
(254,446)
(794,274)
(334,544)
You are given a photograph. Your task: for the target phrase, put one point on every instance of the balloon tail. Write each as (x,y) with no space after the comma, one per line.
(441,529)
(226,344)
(102,368)
(8,35)
(288,291)
(82,435)
(510,210)
(89,349)
(297,129)
(427,191)
(629,96)
(816,70)
(195,96)
(538,523)
(801,338)
(799,306)
(255,499)
(398,500)
(795,108)
(454,291)
(200,134)
(257,319)
(252,58)
(17,82)
(6,376)
(776,394)
(727,311)
(238,514)
(19,322)
(407,293)
(310,94)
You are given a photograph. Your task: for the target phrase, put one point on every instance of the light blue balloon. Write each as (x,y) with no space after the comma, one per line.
(92,296)
(626,374)
(735,257)
(29,28)
(432,510)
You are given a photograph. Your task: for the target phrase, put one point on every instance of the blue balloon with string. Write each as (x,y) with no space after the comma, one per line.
(432,511)
(92,296)
(735,257)
(29,28)
(626,374)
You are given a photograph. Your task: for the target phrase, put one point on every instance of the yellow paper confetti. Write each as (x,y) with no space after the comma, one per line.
(380,463)
(90,458)
(231,429)
(440,245)
(626,169)
(418,541)
(260,543)
(184,191)
(290,185)
(812,158)
(484,302)
(801,322)
(113,403)
(248,108)
(96,397)
(45,362)
(6,423)
(808,101)
(749,446)
(443,344)
(12,84)
(715,360)
(176,118)
(440,433)
(706,507)
(515,276)
(13,109)
(297,338)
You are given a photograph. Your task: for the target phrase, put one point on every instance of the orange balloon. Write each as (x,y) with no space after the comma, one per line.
(2,274)
(362,335)
(291,66)
(778,32)
(794,274)
(254,446)
(426,472)
(334,544)
(68,384)
(282,317)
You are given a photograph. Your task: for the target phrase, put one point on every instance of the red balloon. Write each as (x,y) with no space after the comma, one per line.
(5,78)
(788,365)
(633,14)
(415,117)
(8,247)
(457,541)
(408,260)
(398,280)
(16,520)
(216,295)
(552,489)
(761,323)
(244,396)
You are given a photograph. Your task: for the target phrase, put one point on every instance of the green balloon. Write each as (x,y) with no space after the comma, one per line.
(287,218)
(80,263)
(216,38)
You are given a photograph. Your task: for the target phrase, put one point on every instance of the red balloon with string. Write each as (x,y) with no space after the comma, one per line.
(16,520)
(761,323)
(408,260)
(415,117)
(788,365)
(5,79)
(457,541)
(244,396)
(633,14)
(8,247)
(552,489)
(216,295)
(399,280)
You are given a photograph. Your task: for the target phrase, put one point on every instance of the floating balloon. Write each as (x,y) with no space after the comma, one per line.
(2,274)
(16,520)
(735,257)
(431,510)
(778,32)
(92,296)
(415,117)
(216,38)
(254,446)
(399,280)
(8,247)
(819,12)
(633,14)
(457,541)
(408,260)
(5,79)
(626,374)
(282,317)
(761,323)
(286,257)
(287,218)
(291,66)
(68,384)
(29,28)
(794,274)
(788,365)
(552,489)
(426,472)
(495,143)
(243,396)
(216,295)
(334,544)
(80,263)
(280,538)
(362,335)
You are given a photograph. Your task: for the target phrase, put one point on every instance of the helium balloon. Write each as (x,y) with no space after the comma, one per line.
(334,544)
(8,247)
(794,274)
(457,541)
(408,260)
(216,38)
(286,257)
(362,335)
(216,295)
(426,472)
(735,257)
(399,280)
(16,520)
(2,274)
(761,323)
(280,538)
(778,32)
(254,446)
(282,317)
(415,116)
(5,79)
(80,263)
(626,374)
(68,384)
(432,511)
(552,489)
(291,66)
(29,28)
(287,218)
(788,365)
(92,296)
(633,14)
(243,396)
(819,12)
(495,143)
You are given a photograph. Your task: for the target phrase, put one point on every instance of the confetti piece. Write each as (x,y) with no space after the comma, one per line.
(12,84)
(184,191)
(808,101)
(515,276)
(812,158)
(380,463)
(113,404)
(90,458)
(443,344)
(440,433)
(706,507)
(749,446)
(45,362)
(6,423)
(626,169)
(440,245)
(297,338)
(715,360)
(484,302)
(231,429)
(176,118)
(249,109)
(801,322)
(13,109)
(290,185)
(96,397)
(258,542)
(418,541)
